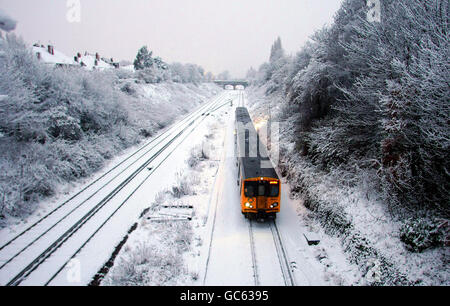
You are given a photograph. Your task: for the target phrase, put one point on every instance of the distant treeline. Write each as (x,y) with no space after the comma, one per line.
(155,70)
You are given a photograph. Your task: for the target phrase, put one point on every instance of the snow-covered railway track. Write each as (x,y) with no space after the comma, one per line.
(109,176)
(252,249)
(283,259)
(267,246)
(18,255)
(241,99)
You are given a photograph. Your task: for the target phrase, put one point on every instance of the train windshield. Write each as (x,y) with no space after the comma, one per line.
(274,190)
(250,188)
(261,189)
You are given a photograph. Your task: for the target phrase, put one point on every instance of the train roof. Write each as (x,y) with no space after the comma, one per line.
(253,168)
(252,152)
(242,115)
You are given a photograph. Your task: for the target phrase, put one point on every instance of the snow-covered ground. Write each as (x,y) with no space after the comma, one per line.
(165,231)
(217,243)
(72,241)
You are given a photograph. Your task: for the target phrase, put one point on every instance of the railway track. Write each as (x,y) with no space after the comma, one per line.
(269,263)
(39,233)
(281,253)
(283,260)
(241,99)
(253,251)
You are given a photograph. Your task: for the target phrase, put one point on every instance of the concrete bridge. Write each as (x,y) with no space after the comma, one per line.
(233,83)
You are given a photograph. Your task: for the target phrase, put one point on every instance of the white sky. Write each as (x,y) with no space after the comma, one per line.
(216,34)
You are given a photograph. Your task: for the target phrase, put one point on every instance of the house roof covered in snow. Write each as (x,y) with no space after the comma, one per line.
(90,61)
(55,57)
(49,55)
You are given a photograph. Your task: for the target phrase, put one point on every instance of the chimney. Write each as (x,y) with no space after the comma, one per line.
(50,50)
(79,55)
(38,54)
(97,56)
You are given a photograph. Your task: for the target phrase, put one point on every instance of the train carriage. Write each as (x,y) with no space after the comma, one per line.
(258,181)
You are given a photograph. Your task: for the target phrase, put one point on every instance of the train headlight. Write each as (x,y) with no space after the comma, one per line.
(248,205)
(274,205)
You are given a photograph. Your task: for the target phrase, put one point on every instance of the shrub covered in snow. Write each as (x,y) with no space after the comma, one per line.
(421,234)
(157,261)
(199,153)
(183,186)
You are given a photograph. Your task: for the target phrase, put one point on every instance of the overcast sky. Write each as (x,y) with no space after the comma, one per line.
(216,34)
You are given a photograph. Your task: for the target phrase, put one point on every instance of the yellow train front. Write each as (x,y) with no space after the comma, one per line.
(258,181)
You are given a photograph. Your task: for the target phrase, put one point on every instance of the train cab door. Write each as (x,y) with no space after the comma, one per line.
(261,199)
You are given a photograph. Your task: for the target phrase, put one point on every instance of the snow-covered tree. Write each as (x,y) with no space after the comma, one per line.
(251,75)
(375,95)
(186,73)
(276,51)
(160,64)
(225,75)
(143,59)
(209,77)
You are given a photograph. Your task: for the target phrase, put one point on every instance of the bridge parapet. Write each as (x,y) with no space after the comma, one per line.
(233,83)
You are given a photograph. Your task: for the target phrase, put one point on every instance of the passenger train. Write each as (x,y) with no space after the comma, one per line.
(258,181)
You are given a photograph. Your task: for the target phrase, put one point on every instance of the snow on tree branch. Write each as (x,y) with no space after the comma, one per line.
(7,23)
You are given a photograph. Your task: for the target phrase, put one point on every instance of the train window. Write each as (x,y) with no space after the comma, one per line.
(249,189)
(274,190)
(261,190)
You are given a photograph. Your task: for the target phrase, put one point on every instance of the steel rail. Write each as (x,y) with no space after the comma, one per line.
(288,277)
